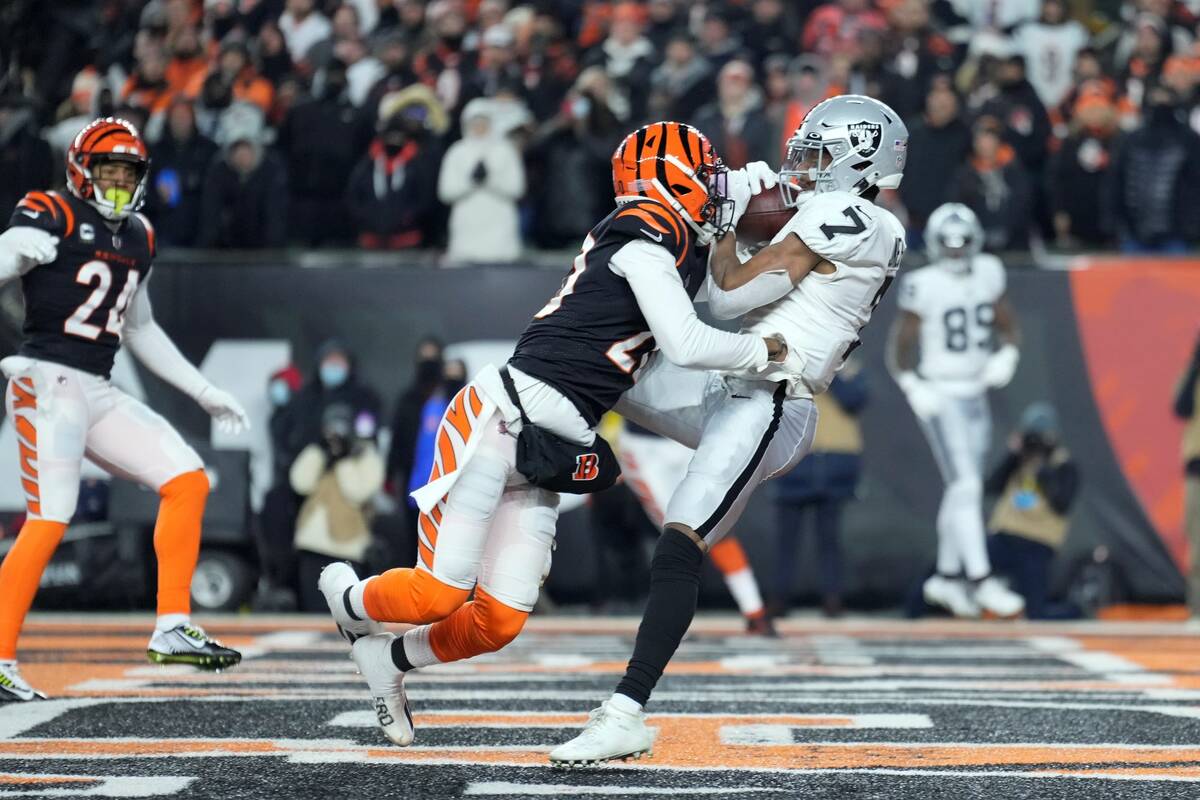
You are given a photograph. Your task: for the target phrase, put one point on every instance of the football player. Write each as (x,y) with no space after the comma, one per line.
(956,315)
(817,283)
(83,259)
(653,466)
(484,527)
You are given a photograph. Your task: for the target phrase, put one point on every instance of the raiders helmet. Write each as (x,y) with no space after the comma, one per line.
(953,236)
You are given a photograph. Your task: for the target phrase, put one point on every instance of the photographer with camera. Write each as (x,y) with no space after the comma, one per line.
(337,476)
(1037,481)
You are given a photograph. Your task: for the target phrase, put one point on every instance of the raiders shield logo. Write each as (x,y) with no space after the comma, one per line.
(865,137)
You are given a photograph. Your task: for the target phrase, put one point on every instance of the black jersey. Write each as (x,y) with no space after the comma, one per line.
(590,339)
(75,306)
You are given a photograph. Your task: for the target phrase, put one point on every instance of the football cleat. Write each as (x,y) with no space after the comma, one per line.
(14,688)
(609,734)
(996,599)
(373,655)
(952,595)
(335,583)
(189,644)
(760,624)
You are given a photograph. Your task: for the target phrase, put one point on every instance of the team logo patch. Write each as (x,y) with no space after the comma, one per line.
(587,467)
(116,240)
(87,233)
(865,137)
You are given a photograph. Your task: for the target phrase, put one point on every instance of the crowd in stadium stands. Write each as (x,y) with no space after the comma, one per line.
(486,126)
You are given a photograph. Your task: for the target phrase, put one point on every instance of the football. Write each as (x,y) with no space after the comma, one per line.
(765,215)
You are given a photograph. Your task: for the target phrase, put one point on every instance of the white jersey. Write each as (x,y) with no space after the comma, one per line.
(822,316)
(957,311)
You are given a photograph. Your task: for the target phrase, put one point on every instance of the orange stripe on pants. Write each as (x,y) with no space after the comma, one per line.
(20,573)
(411,595)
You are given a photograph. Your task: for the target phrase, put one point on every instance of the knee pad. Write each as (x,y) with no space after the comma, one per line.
(190,484)
(676,558)
(496,624)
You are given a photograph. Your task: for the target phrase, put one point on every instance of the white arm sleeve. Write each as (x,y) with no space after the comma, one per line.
(679,333)
(23,248)
(151,345)
(764,288)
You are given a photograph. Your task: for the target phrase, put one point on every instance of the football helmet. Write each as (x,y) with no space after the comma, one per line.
(108,139)
(676,164)
(953,236)
(847,143)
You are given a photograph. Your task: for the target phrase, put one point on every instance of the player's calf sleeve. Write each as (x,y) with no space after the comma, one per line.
(674,585)
(414,596)
(483,625)
(177,539)
(20,573)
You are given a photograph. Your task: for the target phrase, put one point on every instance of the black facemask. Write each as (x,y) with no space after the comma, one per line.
(429,370)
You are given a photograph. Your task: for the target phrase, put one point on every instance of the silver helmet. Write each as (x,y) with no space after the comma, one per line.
(847,143)
(953,236)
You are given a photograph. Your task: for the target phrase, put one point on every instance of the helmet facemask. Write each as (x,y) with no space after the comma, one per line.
(116,202)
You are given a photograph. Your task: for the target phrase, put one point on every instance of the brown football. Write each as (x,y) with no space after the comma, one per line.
(765,215)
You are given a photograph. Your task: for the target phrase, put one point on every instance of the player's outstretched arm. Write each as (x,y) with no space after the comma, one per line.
(150,344)
(679,333)
(738,287)
(22,248)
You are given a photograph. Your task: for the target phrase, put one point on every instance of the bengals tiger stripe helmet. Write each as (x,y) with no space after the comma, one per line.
(676,165)
(107,139)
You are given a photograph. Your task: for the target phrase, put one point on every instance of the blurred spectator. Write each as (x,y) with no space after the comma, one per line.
(835,28)
(496,67)
(232,79)
(337,476)
(719,43)
(995,16)
(344,27)
(914,54)
(25,161)
(392,194)
(441,62)
(809,85)
(823,481)
(179,163)
(336,381)
(147,87)
(1081,174)
(628,58)
(1182,75)
(1026,123)
(736,124)
(682,83)
(244,202)
(302,27)
(90,98)
(572,153)
(323,138)
(1049,47)
(996,187)
(186,59)
(275,62)
(281,504)
(664,19)
(1037,482)
(408,420)
(1157,174)
(1187,408)
(771,30)
(937,146)
(482,179)
(393,53)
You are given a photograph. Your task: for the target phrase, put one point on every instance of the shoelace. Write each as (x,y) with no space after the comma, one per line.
(595,720)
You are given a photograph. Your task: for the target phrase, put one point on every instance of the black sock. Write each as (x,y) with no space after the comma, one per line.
(399,657)
(674,585)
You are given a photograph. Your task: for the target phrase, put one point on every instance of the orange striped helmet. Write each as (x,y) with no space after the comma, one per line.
(107,139)
(675,164)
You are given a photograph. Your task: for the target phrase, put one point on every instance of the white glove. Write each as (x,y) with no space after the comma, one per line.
(225,409)
(926,401)
(43,250)
(1001,366)
(746,182)
(791,369)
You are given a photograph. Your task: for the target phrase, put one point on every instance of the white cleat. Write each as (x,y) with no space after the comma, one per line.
(951,594)
(610,734)
(335,583)
(998,600)
(373,655)
(14,688)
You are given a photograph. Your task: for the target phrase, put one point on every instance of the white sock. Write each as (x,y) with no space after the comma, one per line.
(166,622)
(356,598)
(624,703)
(417,649)
(745,592)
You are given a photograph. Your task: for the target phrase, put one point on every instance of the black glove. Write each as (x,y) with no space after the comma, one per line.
(479,174)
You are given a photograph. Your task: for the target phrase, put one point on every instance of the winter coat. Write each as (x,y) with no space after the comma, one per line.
(25,163)
(333,520)
(178,171)
(247,211)
(934,156)
(484,227)
(742,139)
(1157,175)
(392,199)
(1080,181)
(1001,195)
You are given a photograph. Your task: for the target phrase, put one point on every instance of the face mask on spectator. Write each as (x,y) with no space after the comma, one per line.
(279,393)
(429,370)
(334,374)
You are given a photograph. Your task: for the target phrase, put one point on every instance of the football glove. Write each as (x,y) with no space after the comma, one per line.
(744,183)
(1000,367)
(926,401)
(225,409)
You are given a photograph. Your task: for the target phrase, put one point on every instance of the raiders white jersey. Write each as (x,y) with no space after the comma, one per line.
(822,316)
(957,311)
